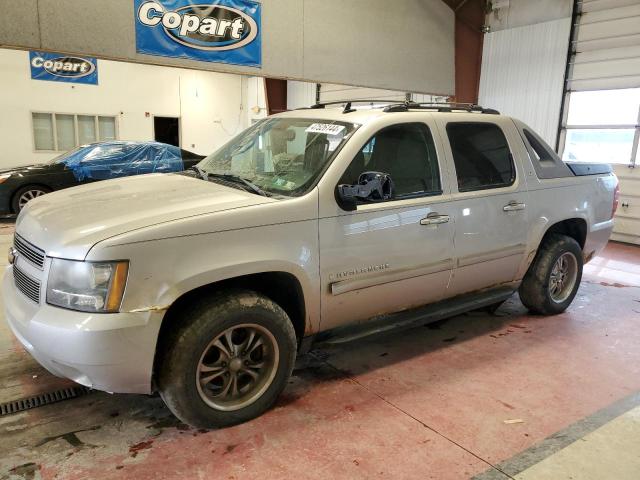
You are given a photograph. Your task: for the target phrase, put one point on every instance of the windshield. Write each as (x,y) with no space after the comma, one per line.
(280,155)
(64,156)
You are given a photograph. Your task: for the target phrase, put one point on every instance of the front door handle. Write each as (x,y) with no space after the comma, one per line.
(434,219)
(513,207)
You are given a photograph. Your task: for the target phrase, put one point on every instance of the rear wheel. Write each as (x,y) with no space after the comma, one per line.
(228,361)
(25,194)
(552,281)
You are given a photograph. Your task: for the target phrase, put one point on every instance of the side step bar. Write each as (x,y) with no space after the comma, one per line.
(410,318)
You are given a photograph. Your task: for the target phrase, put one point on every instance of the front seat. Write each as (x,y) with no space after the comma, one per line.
(402,153)
(355,169)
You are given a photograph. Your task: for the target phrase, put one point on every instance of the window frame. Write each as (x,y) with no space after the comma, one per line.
(514,167)
(75,126)
(565,127)
(411,196)
(33,131)
(95,127)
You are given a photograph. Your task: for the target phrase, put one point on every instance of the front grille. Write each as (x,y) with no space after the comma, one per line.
(30,252)
(27,285)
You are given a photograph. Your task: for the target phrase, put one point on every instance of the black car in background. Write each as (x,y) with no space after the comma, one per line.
(89,163)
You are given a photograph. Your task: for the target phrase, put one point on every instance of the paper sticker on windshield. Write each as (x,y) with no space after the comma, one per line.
(326,128)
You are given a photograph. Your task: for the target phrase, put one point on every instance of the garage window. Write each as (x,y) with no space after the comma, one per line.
(62,132)
(603,126)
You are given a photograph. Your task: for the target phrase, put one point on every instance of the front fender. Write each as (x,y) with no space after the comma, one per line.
(161,271)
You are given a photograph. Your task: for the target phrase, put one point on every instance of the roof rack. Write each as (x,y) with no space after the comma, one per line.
(440,107)
(396,106)
(347,104)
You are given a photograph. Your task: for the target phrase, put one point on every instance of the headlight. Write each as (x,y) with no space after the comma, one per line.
(87,286)
(4,177)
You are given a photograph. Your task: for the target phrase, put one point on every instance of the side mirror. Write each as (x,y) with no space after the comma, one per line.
(371,187)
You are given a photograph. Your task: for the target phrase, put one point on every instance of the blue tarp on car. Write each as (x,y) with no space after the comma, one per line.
(122,159)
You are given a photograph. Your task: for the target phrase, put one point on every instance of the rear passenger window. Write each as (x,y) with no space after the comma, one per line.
(407,153)
(481,155)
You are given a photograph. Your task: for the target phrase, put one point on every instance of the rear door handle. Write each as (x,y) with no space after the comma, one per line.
(513,207)
(434,219)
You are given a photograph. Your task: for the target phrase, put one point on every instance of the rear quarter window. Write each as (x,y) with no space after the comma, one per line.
(546,162)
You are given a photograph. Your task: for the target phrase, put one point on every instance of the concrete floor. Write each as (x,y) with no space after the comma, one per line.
(494,396)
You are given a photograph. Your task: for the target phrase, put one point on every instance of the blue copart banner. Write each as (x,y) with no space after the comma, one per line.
(226,31)
(58,67)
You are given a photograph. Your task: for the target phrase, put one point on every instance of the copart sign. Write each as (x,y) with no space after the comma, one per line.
(57,67)
(226,31)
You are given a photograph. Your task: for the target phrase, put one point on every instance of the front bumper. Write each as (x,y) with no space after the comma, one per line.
(110,352)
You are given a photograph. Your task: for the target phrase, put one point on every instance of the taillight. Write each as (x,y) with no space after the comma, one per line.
(616,198)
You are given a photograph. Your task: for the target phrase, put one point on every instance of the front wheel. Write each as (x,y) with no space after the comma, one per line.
(228,361)
(25,194)
(552,281)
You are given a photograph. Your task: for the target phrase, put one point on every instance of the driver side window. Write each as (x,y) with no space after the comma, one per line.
(407,153)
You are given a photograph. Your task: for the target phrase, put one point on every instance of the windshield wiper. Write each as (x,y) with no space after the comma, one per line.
(199,171)
(230,177)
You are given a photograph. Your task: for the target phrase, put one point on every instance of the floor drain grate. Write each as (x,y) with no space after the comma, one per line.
(43,399)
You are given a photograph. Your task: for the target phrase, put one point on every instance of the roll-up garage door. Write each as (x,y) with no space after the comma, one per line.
(607,46)
(601,110)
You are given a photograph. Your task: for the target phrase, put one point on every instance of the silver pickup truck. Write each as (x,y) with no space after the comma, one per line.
(315,224)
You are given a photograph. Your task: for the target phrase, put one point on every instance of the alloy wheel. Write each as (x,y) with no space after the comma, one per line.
(29,195)
(563,277)
(237,367)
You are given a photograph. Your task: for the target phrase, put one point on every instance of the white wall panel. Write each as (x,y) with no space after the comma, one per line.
(627,225)
(330,93)
(303,94)
(256,99)
(210,105)
(523,72)
(300,94)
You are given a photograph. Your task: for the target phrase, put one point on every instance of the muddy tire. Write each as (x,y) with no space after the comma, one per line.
(553,278)
(228,360)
